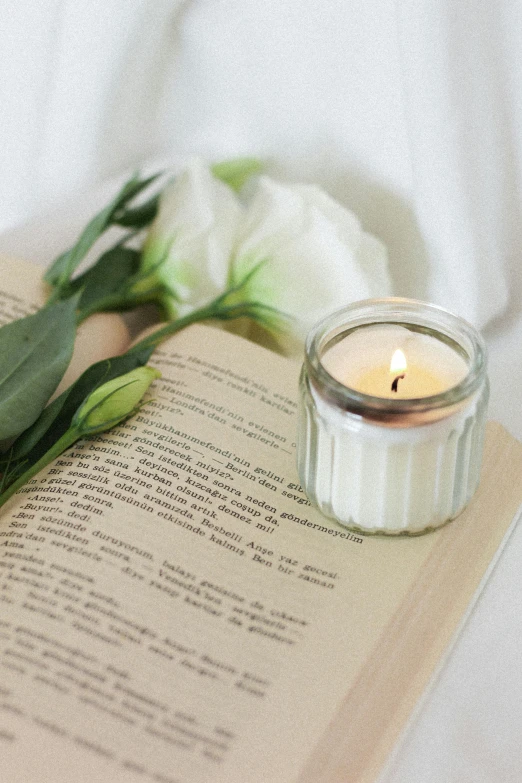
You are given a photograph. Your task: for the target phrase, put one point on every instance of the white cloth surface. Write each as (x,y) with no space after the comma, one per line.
(407,112)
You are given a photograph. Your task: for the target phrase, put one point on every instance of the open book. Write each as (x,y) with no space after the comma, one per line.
(173,609)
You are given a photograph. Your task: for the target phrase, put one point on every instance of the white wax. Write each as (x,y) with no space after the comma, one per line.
(389,480)
(361,361)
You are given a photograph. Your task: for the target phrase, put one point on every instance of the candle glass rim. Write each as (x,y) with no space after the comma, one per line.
(397,311)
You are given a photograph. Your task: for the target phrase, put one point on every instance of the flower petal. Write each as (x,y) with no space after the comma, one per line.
(317,256)
(193,235)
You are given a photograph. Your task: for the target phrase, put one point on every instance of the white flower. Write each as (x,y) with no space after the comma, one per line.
(191,240)
(316,256)
(310,253)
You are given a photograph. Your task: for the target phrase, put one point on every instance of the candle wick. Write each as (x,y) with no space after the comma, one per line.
(396,382)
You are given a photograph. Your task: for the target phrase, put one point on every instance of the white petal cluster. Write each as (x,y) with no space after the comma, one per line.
(315,256)
(192,238)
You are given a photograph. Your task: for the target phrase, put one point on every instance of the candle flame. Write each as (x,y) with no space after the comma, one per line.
(398,362)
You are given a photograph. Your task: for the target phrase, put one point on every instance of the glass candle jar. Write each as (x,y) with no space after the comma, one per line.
(393,401)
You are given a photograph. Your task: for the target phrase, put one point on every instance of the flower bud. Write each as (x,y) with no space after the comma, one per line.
(114,401)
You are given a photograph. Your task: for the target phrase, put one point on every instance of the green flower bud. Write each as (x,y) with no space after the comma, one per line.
(114,401)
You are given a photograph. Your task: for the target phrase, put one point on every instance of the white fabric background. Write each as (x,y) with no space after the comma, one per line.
(409,112)
(405,111)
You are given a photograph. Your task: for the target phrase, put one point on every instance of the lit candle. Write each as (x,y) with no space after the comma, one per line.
(386,360)
(393,405)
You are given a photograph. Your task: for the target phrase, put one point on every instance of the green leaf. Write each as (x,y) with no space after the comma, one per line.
(34,354)
(107,277)
(59,273)
(236,172)
(139,217)
(56,419)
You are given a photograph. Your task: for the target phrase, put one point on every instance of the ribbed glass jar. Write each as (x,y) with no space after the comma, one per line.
(391,466)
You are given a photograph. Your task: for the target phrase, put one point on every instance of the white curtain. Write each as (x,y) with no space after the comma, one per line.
(81,87)
(407,111)
(461,72)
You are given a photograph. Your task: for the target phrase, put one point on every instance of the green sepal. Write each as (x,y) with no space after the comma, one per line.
(236,172)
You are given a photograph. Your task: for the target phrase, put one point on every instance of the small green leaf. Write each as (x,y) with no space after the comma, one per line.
(107,277)
(59,273)
(34,354)
(236,172)
(139,217)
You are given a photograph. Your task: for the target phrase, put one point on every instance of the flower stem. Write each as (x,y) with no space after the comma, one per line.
(67,439)
(219,308)
(117,302)
(211,310)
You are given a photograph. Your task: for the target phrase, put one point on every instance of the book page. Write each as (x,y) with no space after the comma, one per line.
(173,609)
(21,289)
